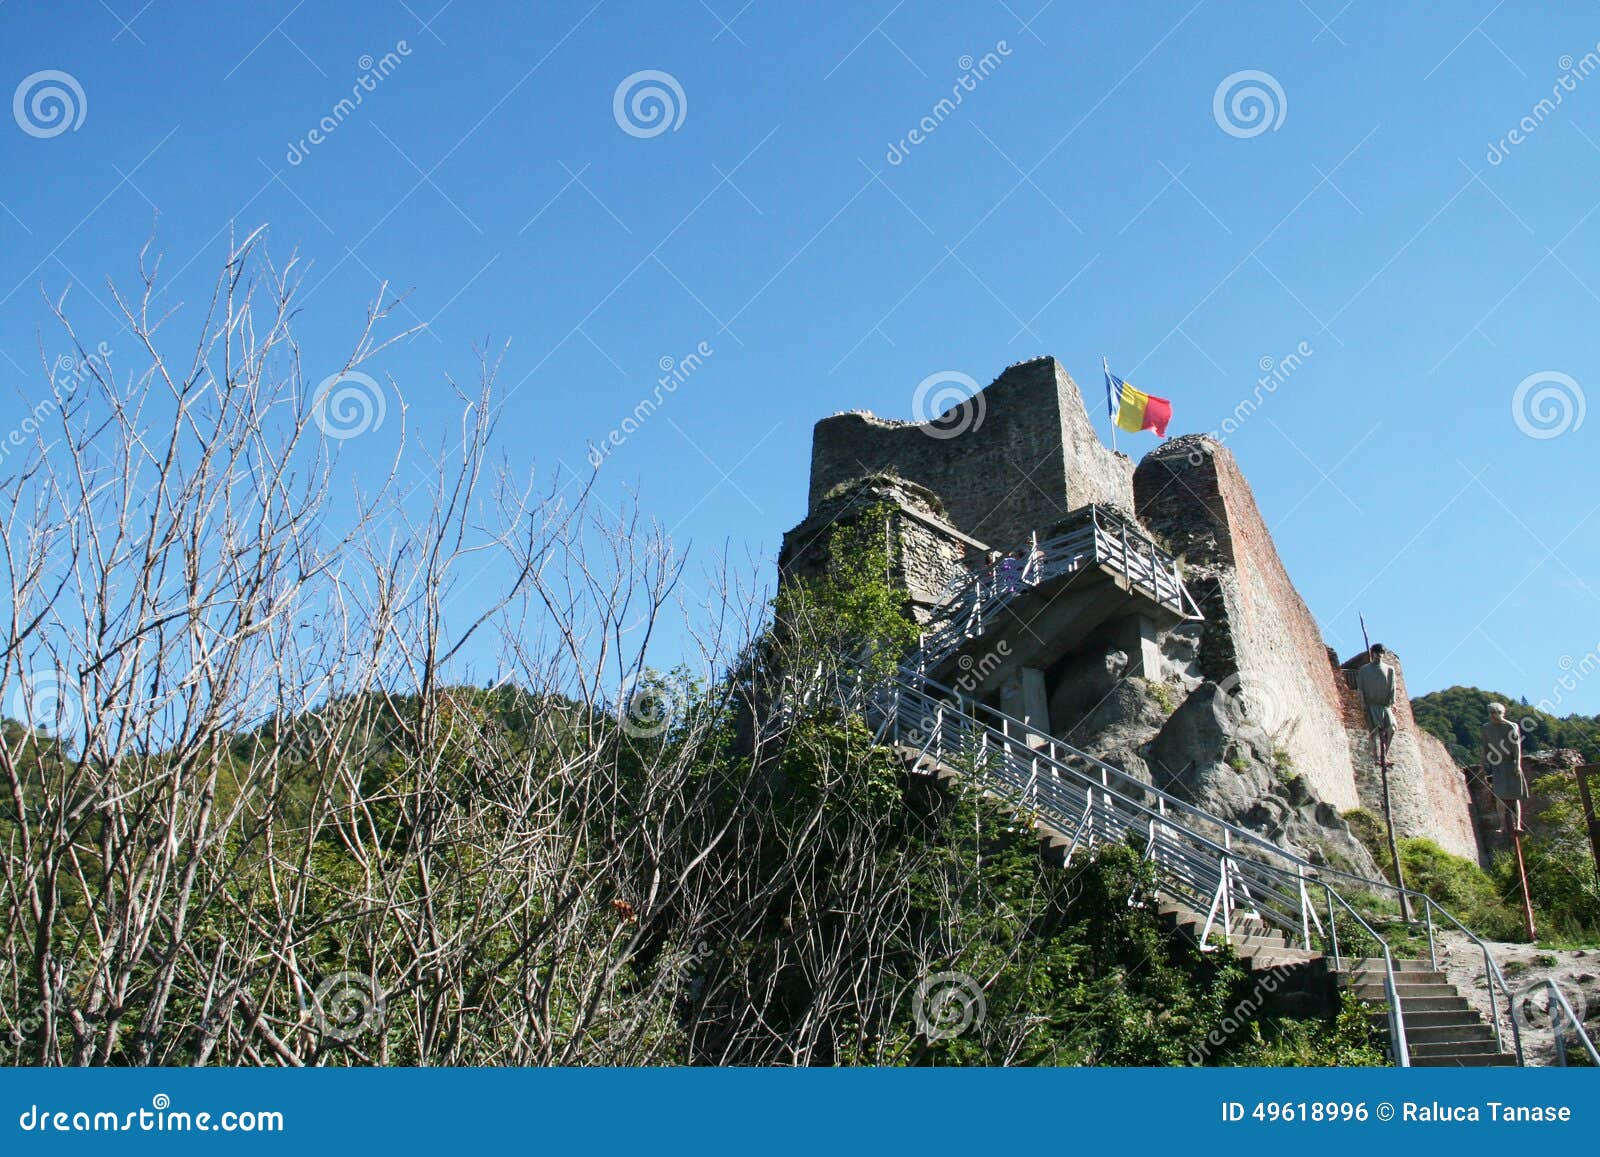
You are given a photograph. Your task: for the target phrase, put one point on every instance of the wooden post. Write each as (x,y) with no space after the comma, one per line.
(1388,820)
(1522,874)
(1585,773)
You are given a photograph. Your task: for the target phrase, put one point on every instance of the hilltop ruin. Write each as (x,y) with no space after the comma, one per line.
(1171,642)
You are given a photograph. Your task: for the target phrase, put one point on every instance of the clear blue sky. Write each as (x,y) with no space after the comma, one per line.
(1082,199)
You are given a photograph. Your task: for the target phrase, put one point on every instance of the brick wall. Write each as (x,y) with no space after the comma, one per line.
(1260,640)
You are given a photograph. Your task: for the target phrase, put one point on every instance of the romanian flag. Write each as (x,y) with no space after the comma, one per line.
(1134,410)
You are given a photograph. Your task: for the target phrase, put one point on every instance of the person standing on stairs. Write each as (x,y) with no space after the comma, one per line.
(1011,572)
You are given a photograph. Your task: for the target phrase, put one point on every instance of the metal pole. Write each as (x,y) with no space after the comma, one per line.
(1556,1023)
(1112,406)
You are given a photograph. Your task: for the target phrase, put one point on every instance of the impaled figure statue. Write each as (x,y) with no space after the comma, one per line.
(1502,763)
(1376,682)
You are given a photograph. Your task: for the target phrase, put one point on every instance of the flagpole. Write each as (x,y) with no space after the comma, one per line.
(1106,365)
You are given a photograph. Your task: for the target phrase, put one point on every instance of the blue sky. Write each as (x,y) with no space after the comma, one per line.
(1083,199)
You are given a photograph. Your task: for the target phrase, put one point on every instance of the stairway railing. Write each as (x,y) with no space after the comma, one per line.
(1232,874)
(1105,538)
(1557,1003)
(1228,875)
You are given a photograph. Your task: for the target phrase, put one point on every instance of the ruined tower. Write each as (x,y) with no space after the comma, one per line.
(1169,639)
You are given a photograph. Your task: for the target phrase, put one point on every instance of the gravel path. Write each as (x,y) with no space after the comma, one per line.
(1577,971)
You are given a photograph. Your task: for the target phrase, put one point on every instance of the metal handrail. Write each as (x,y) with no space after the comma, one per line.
(973,602)
(1558,1000)
(1188,866)
(1491,971)
(1194,867)
(1501,996)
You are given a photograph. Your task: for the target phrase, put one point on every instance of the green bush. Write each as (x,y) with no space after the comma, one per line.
(1469,893)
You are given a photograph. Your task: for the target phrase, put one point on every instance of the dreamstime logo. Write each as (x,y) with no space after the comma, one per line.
(48,103)
(1573,73)
(1573,672)
(47,701)
(373,73)
(973,73)
(1274,373)
(648,103)
(1244,1013)
(674,372)
(947,1004)
(1260,704)
(975,669)
(348,404)
(1248,103)
(1548,404)
(648,709)
(346,1005)
(1531,1004)
(947,404)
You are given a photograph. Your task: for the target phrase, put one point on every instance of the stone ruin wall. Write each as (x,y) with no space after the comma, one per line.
(1427,791)
(927,551)
(1260,641)
(1025,459)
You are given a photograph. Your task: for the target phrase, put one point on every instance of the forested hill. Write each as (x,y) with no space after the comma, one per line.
(1456,714)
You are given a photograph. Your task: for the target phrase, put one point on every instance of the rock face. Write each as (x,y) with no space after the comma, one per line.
(1245,711)
(1022,456)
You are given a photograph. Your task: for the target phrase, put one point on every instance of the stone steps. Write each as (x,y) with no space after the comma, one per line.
(1442,1029)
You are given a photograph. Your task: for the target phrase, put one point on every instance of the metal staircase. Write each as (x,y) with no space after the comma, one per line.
(1096,537)
(1230,884)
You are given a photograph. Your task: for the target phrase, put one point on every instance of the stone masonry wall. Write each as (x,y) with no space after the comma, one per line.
(1023,455)
(927,552)
(1260,641)
(1428,792)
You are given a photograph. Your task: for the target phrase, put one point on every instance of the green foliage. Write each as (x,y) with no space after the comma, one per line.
(1345,1039)
(1368,827)
(1489,905)
(1561,868)
(853,607)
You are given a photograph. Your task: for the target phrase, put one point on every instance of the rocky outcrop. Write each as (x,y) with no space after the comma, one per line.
(926,552)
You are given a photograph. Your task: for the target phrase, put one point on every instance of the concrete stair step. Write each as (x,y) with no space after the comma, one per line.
(1376,979)
(1421,1018)
(1375,964)
(1424,1004)
(1408,992)
(1461,1048)
(1454,1034)
(1467,1060)
(1274,957)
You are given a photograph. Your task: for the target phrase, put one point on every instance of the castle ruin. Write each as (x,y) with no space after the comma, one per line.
(1190,660)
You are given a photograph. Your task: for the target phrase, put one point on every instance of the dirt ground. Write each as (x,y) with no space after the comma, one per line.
(1576,971)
